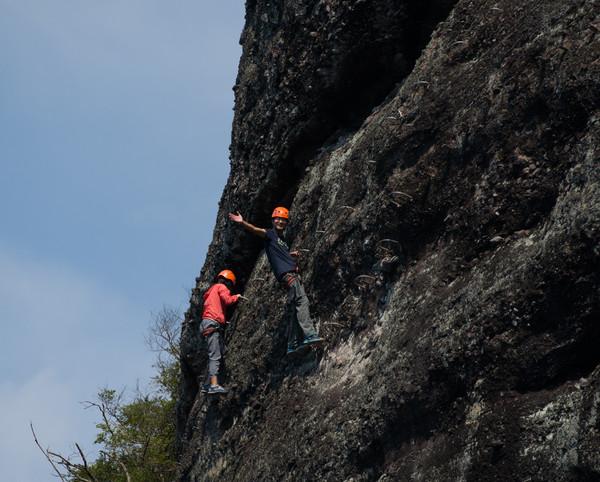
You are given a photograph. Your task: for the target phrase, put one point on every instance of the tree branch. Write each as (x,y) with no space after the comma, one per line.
(45,453)
(85,464)
(125,470)
(70,467)
(164,332)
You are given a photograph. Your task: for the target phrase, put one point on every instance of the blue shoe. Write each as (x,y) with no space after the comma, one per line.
(298,350)
(204,388)
(216,390)
(312,339)
(292,348)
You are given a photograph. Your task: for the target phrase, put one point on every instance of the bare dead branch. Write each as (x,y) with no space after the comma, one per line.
(105,413)
(164,332)
(46,454)
(62,460)
(70,467)
(85,464)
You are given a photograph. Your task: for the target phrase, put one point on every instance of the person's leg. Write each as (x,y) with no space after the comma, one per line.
(292,325)
(214,356)
(204,324)
(222,367)
(304,322)
(214,348)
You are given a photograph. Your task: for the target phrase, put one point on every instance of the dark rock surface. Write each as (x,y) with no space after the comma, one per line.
(441,162)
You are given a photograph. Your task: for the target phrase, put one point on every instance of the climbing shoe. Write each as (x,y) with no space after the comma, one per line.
(298,350)
(205,387)
(216,390)
(312,339)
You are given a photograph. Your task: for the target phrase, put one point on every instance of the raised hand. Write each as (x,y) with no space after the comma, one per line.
(236,217)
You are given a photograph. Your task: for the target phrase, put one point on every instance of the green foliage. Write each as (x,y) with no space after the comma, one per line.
(137,438)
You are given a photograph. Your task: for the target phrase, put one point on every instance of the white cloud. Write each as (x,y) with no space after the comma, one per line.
(48,310)
(64,337)
(59,421)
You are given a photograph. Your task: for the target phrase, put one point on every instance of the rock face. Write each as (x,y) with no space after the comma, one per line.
(441,162)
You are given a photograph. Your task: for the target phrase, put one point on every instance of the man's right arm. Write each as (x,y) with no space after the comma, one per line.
(238,219)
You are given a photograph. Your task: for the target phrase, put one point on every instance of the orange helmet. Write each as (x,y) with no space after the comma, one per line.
(281,212)
(227,274)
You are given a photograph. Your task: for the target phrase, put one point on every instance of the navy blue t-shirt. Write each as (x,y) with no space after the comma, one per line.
(279,255)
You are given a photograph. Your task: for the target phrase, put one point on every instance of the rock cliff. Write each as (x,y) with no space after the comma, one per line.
(441,162)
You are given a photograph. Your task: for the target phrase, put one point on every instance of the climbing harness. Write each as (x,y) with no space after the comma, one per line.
(289,279)
(209,331)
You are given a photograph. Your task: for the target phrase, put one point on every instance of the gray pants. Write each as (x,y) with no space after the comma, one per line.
(300,324)
(216,348)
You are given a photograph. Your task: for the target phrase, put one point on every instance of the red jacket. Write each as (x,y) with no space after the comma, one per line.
(216,299)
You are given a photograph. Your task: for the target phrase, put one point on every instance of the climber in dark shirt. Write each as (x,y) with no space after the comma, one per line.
(301,329)
(278,254)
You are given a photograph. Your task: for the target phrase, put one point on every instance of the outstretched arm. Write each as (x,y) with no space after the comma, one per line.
(238,219)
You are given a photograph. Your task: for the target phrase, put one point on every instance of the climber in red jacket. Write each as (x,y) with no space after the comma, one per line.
(301,329)
(216,299)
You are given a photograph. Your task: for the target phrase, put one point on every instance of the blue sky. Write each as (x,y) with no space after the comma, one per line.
(115,122)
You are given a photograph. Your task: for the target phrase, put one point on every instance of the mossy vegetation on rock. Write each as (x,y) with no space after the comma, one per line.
(441,163)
